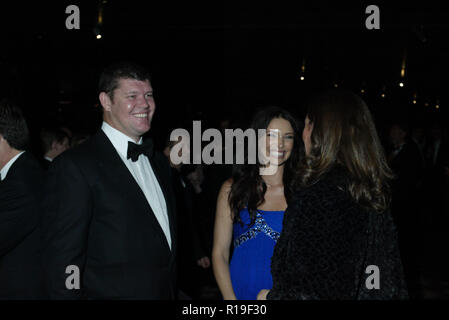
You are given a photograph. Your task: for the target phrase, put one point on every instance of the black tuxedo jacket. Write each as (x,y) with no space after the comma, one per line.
(45,163)
(97,218)
(20,212)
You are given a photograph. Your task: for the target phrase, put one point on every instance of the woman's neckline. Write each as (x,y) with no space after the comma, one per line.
(269,210)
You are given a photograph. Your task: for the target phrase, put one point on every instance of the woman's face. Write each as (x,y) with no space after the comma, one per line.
(280,139)
(306,134)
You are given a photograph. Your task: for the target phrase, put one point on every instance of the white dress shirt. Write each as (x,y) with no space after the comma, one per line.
(143,174)
(8,165)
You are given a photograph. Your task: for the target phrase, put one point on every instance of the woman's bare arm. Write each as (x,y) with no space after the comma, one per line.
(222,242)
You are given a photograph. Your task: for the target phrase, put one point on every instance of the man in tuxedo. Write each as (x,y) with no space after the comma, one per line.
(21,179)
(109,212)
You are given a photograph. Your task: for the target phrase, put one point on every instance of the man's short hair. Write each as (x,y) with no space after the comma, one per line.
(111,75)
(13,126)
(50,135)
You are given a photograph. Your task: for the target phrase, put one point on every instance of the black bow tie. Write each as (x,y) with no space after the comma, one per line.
(135,150)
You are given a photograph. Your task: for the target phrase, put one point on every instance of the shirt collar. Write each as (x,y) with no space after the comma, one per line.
(118,139)
(5,169)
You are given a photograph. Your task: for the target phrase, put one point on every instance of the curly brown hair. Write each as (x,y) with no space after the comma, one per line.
(344,134)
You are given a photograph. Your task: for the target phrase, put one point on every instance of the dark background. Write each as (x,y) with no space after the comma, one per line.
(216,60)
(212,60)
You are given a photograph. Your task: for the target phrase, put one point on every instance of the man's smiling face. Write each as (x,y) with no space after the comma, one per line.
(131,107)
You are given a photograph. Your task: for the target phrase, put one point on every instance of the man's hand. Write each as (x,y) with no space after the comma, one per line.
(263,294)
(204,262)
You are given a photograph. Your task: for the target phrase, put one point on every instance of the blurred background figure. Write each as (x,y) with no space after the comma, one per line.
(79,138)
(437,161)
(406,162)
(192,258)
(419,138)
(54,142)
(68,132)
(434,210)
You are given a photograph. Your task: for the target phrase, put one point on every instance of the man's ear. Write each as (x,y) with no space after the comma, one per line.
(105,101)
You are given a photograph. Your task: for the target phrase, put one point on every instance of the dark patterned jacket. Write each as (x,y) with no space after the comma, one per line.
(328,244)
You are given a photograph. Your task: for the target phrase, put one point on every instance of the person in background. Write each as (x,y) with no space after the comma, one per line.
(191,255)
(79,138)
(54,142)
(418,136)
(437,177)
(68,133)
(21,181)
(250,209)
(405,161)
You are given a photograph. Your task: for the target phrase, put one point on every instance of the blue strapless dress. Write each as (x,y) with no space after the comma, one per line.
(250,265)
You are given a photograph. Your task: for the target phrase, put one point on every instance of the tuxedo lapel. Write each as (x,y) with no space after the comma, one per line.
(110,160)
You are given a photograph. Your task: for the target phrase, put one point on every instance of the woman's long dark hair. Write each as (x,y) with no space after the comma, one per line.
(248,188)
(344,134)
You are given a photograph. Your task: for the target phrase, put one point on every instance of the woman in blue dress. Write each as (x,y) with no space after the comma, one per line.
(251,205)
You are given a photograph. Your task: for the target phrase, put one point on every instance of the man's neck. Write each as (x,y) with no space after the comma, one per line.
(109,122)
(8,156)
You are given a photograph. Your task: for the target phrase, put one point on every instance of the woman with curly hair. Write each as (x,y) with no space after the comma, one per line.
(338,239)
